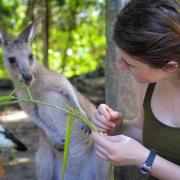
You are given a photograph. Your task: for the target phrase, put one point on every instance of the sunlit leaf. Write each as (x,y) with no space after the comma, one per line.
(6,99)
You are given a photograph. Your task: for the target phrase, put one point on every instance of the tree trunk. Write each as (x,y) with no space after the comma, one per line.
(120,85)
(121,89)
(46,33)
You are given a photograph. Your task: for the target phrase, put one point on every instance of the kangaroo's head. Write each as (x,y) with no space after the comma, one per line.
(18,55)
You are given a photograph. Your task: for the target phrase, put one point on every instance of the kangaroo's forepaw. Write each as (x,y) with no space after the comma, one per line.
(85,128)
(60,147)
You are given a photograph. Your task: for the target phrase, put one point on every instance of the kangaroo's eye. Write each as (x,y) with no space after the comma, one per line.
(30,58)
(12,60)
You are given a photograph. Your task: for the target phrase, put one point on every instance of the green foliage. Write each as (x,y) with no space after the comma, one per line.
(12,13)
(76,32)
(79,37)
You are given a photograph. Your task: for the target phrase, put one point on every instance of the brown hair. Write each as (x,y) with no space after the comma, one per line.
(149,30)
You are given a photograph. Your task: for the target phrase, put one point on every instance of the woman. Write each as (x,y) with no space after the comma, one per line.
(147,33)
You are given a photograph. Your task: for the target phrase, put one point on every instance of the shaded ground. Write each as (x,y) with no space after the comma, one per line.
(20,165)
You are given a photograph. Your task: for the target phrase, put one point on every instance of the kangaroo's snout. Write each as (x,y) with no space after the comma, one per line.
(28,79)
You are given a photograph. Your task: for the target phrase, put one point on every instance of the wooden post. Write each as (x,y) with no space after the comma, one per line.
(46,34)
(1,167)
(120,86)
(121,89)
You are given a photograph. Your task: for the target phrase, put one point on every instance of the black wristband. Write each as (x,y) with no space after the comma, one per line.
(146,168)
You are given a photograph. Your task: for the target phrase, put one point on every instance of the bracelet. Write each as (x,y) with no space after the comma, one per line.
(146,168)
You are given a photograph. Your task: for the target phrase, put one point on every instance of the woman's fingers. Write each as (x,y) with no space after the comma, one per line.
(101,127)
(113,118)
(116,117)
(105,140)
(119,150)
(118,138)
(106,123)
(103,110)
(101,142)
(106,120)
(102,155)
(98,122)
(101,150)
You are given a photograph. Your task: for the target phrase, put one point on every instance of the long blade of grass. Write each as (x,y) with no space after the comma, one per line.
(67,143)
(111,173)
(17,86)
(42,103)
(29,94)
(6,99)
(7,103)
(62,102)
(81,116)
(75,112)
(71,113)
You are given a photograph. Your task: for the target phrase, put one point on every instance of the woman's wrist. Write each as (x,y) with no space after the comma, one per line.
(146,167)
(141,158)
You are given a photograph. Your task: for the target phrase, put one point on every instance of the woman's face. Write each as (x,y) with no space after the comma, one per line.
(142,72)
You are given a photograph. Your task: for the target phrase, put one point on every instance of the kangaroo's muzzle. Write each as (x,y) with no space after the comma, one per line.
(28,79)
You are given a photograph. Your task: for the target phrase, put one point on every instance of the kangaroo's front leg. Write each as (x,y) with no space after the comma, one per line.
(71,96)
(45,159)
(37,113)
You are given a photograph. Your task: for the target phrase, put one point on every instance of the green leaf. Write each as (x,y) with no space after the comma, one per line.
(67,143)
(29,93)
(6,99)
(81,116)
(17,86)
(111,173)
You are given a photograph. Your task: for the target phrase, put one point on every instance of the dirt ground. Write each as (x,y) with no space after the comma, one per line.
(20,165)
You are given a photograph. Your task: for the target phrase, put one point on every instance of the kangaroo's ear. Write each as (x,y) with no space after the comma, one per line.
(29,32)
(5,38)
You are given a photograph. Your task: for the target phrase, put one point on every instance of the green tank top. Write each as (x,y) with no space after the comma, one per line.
(162,138)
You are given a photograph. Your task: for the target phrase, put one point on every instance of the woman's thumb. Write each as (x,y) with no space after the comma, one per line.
(115,115)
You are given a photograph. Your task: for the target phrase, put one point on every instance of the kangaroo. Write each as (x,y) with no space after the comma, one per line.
(51,87)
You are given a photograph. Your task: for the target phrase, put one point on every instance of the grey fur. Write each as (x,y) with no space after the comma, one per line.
(83,164)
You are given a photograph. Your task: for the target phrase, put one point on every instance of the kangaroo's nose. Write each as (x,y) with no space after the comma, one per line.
(27,78)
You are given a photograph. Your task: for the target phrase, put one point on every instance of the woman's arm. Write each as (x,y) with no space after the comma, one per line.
(113,123)
(133,128)
(165,170)
(122,150)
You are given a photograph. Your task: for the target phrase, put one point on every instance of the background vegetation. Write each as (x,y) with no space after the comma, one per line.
(72,37)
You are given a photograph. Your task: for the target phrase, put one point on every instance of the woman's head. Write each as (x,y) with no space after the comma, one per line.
(149,31)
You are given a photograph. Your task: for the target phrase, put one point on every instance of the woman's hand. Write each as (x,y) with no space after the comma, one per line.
(106,119)
(120,150)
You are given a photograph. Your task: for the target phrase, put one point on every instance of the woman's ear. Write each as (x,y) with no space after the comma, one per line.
(171,66)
